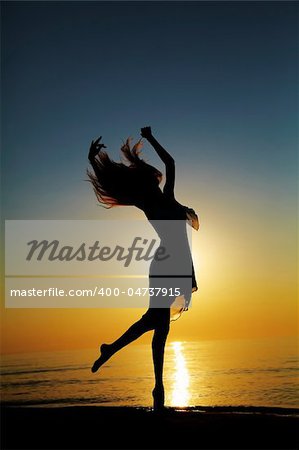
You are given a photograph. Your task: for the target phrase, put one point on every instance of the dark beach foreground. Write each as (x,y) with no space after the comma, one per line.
(90,427)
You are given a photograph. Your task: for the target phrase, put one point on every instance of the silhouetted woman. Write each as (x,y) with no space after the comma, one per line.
(135,182)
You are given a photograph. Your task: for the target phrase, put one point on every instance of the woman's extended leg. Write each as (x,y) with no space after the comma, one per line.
(134,332)
(158,347)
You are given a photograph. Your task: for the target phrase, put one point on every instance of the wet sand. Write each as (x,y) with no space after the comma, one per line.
(90,427)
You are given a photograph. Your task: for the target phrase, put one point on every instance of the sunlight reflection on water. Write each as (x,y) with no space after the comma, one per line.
(180,389)
(240,372)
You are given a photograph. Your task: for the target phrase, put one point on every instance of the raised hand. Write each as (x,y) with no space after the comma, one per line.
(146,132)
(95,148)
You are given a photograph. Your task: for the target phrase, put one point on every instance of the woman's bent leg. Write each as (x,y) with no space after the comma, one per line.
(134,332)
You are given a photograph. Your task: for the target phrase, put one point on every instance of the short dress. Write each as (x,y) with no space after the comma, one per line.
(172,276)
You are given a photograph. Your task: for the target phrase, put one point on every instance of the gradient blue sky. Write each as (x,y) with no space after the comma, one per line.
(216,80)
(218,83)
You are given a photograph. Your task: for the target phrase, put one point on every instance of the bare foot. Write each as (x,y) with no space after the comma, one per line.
(106,353)
(158,396)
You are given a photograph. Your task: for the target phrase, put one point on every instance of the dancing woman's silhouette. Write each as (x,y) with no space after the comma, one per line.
(137,183)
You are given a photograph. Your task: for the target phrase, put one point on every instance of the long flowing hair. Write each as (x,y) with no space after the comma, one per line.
(126,182)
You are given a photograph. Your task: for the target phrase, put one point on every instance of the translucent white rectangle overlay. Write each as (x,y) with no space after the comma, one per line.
(97,247)
(92,292)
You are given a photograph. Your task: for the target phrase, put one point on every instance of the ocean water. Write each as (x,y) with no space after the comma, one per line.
(207,373)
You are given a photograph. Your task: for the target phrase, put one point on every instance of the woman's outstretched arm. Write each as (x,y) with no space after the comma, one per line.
(167,159)
(94,149)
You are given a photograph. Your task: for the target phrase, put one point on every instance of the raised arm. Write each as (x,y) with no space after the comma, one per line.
(165,157)
(94,149)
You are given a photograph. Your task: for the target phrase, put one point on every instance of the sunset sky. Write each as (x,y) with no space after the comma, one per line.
(218,83)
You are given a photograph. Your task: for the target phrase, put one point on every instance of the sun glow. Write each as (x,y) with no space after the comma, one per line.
(180,389)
